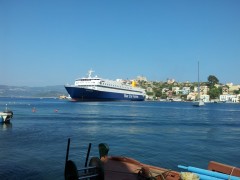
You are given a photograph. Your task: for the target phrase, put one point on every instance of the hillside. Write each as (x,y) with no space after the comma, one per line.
(25,91)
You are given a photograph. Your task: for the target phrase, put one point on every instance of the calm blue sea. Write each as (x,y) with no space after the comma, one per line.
(164,134)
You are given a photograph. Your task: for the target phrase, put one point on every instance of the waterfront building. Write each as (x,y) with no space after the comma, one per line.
(225,90)
(141,78)
(193,97)
(203,90)
(176,90)
(205,98)
(229,98)
(170,81)
(185,90)
(233,88)
(165,90)
(170,94)
(149,89)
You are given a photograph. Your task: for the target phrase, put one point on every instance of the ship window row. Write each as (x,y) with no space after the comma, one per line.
(86,85)
(111,85)
(108,85)
(121,88)
(87,79)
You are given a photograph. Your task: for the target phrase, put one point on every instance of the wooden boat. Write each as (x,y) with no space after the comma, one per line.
(125,168)
(122,168)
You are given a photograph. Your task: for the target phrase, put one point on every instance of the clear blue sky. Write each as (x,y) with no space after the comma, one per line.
(53,42)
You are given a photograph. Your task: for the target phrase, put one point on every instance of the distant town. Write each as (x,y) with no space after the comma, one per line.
(210,91)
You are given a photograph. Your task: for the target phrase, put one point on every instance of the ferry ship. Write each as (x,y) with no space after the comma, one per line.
(98,89)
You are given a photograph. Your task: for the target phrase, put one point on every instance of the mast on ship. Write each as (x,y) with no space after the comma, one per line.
(90,73)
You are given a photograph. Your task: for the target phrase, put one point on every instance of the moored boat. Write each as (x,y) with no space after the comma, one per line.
(125,168)
(98,89)
(199,101)
(6,115)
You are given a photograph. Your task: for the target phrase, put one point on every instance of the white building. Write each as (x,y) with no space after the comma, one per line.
(203,89)
(185,90)
(229,98)
(205,98)
(141,78)
(193,97)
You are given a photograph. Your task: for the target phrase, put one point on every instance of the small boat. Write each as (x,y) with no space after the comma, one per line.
(6,115)
(199,101)
(125,168)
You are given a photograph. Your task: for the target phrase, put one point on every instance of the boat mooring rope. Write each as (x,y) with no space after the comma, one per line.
(229,177)
(145,174)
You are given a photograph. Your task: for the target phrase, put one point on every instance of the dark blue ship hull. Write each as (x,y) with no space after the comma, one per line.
(82,94)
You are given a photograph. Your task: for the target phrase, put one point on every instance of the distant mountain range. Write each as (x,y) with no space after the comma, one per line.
(25,91)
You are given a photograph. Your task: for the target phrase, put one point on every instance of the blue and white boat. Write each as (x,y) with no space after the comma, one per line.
(6,115)
(98,89)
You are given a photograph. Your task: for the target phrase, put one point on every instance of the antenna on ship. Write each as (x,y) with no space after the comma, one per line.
(90,73)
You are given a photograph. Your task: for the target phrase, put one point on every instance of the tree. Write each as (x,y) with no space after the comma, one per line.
(164,96)
(214,92)
(212,80)
(149,93)
(236,91)
(158,92)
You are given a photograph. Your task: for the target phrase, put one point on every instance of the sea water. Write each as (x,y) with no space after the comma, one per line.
(165,134)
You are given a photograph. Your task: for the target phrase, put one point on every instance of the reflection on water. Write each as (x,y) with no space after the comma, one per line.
(5,126)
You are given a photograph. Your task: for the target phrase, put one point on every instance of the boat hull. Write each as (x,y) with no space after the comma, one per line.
(122,168)
(83,94)
(6,116)
(198,103)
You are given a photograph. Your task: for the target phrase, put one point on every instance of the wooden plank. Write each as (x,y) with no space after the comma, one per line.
(224,168)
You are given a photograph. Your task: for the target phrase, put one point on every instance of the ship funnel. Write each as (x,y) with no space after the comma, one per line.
(134,83)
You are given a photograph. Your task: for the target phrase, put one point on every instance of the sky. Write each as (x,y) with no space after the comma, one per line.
(54,42)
